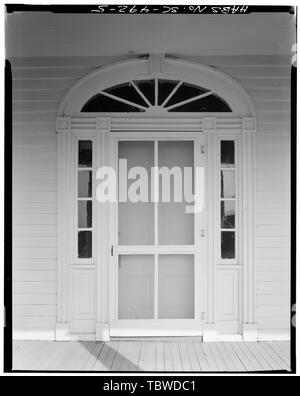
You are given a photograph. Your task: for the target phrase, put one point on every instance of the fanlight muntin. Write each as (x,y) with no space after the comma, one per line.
(156,96)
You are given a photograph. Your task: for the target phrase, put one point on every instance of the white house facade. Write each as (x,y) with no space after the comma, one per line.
(90,270)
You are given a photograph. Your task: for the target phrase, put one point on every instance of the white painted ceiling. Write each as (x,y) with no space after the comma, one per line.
(43,34)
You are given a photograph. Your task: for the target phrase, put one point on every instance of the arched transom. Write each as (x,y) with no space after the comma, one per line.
(156,94)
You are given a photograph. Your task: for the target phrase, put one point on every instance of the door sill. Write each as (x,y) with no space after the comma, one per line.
(158,339)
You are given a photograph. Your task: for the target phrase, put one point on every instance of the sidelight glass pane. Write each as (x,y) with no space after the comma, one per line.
(175,226)
(227,184)
(227,214)
(227,153)
(84,244)
(136,287)
(84,184)
(136,219)
(85,153)
(227,244)
(84,214)
(176,286)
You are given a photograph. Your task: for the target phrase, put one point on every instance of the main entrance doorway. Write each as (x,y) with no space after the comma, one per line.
(157,242)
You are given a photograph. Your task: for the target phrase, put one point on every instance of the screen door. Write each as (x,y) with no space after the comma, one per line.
(157,252)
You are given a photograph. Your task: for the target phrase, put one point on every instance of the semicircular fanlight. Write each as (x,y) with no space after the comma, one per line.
(139,96)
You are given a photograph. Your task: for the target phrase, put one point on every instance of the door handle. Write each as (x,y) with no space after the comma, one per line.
(112,250)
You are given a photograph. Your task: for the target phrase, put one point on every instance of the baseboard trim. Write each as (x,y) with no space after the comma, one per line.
(34,334)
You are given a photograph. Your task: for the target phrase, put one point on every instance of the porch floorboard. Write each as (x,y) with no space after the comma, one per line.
(150,356)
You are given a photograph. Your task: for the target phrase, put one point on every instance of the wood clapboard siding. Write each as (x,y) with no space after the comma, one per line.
(38,87)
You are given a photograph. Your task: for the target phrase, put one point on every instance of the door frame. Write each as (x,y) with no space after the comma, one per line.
(101,128)
(157,327)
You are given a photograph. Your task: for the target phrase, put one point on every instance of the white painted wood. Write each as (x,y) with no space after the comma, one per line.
(40,86)
(228,295)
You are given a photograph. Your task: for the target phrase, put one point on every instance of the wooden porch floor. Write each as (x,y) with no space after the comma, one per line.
(186,355)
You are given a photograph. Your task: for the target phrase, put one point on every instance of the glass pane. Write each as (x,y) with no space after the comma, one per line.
(147,87)
(227,184)
(184,92)
(84,214)
(128,92)
(210,103)
(227,244)
(85,153)
(136,287)
(227,214)
(84,244)
(227,153)
(102,103)
(136,219)
(175,286)
(175,227)
(84,184)
(165,87)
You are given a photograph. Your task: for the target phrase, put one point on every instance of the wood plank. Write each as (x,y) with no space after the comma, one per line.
(203,362)
(247,348)
(276,358)
(177,365)
(41,242)
(124,356)
(160,359)
(35,253)
(34,276)
(246,362)
(280,348)
(93,356)
(272,312)
(218,357)
(212,364)
(34,264)
(110,357)
(268,356)
(128,354)
(34,287)
(70,358)
(31,322)
(261,358)
(143,363)
(227,357)
(57,351)
(279,301)
(194,363)
(24,353)
(89,347)
(151,360)
(184,356)
(234,356)
(168,357)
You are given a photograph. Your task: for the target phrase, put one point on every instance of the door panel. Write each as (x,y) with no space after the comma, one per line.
(175,227)
(136,286)
(176,286)
(136,219)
